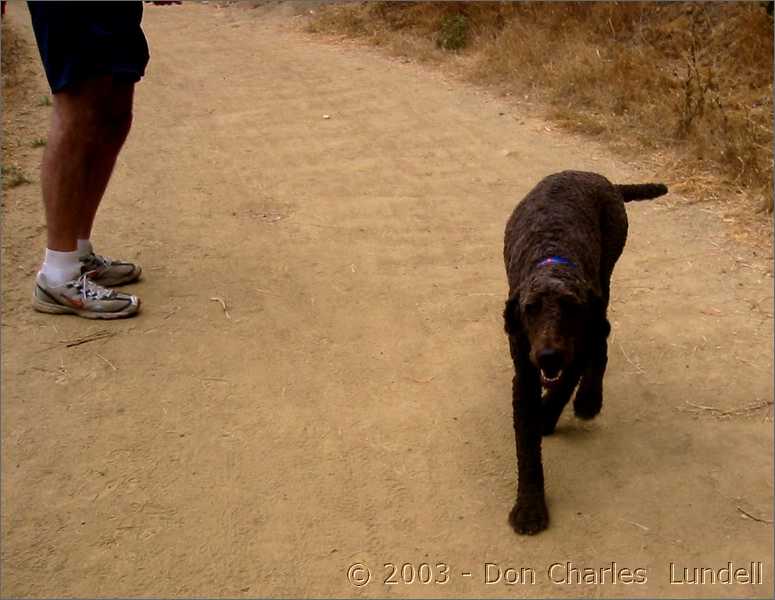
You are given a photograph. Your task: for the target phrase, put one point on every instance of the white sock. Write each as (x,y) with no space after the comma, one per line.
(60,267)
(84,247)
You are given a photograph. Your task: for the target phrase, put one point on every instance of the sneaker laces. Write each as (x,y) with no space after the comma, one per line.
(98,260)
(90,290)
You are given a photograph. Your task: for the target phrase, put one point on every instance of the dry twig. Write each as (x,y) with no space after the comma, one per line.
(627,358)
(110,364)
(643,527)
(734,411)
(172,312)
(753,518)
(222,302)
(97,335)
(428,380)
(267,292)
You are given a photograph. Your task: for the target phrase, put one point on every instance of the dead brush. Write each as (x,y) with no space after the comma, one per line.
(691,79)
(697,88)
(720,114)
(454,32)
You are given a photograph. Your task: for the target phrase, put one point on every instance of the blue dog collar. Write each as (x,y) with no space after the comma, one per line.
(555,260)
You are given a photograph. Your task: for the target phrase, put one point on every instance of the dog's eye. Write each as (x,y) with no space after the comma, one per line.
(569,303)
(532,307)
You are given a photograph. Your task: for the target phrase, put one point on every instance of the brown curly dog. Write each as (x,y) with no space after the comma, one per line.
(562,242)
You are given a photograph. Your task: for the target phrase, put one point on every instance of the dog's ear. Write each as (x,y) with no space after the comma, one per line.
(511,319)
(594,300)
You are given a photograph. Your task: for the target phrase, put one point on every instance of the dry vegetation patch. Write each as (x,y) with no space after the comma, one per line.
(687,84)
(14,54)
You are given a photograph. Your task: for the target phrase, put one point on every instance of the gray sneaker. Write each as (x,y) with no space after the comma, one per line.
(83,297)
(109,272)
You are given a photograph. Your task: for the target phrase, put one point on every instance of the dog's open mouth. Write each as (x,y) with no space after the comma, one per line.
(549,382)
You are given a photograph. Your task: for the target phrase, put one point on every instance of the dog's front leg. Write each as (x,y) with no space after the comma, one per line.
(554,400)
(589,397)
(529,514)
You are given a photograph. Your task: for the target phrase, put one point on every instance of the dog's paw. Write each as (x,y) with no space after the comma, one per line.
(588,402)
(529,517)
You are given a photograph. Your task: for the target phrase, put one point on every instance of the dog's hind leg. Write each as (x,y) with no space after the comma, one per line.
(589,397)
(529,514)
(554,401)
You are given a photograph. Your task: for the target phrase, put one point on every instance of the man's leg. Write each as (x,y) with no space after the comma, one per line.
(89,125)
(93,53)
(88,128)
(111,119)
(118,119)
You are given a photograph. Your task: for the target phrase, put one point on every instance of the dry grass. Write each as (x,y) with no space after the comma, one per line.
(13,176)
(15,54)
(689,80)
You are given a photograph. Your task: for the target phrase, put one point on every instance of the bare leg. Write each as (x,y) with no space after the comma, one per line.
(88,128)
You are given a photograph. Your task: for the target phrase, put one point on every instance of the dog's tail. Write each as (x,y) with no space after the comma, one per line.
(642,191)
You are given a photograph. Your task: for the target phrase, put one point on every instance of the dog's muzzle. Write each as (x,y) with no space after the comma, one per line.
(550,367)
(549,382)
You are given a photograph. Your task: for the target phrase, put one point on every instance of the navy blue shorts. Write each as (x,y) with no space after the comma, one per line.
(83,40)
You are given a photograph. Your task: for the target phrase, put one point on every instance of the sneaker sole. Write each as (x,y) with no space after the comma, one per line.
(60,309)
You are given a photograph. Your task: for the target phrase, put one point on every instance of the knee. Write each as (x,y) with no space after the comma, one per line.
(103,127)
(112,124)
(94,121)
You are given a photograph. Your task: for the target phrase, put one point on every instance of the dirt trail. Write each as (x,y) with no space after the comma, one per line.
(354,405)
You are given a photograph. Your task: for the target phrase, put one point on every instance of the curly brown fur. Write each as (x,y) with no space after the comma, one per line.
(555,314)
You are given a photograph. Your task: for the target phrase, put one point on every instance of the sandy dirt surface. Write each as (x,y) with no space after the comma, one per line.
(354,405)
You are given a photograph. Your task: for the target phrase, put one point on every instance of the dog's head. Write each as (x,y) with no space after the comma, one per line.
(554,315)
